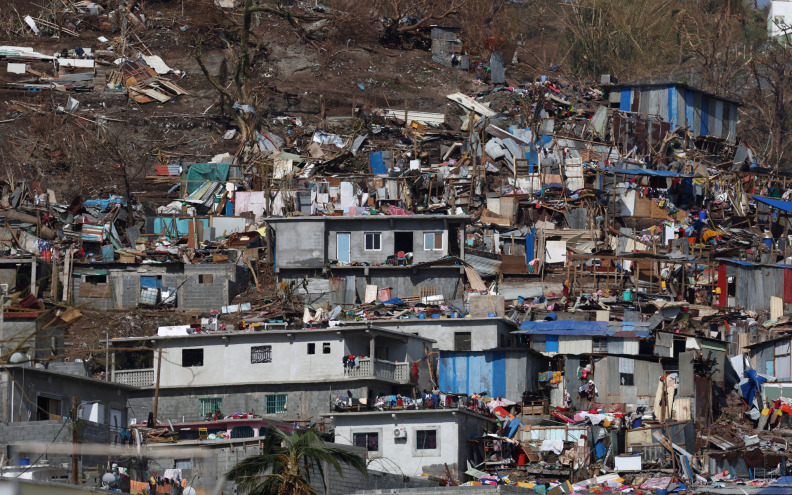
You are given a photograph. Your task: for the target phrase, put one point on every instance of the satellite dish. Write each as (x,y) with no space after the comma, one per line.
(18,357)
(108,479)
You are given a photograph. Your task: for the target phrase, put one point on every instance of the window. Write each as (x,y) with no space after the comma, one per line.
(426,439)
(261,354)
(192,357)
(275,403)
(373,241)
(311,348)
(183,463)
(326,348)
(627,379)
(462,341)
(205,279)
(370,441)
(433,241)
(96,279)
(600,346)
(46,407)
(209,405)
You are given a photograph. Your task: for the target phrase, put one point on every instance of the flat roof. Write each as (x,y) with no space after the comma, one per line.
(440,321)
(355,328)
(29,369)
(387,413)
(367,217)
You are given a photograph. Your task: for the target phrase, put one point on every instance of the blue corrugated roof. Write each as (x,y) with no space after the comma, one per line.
(748,263)
(775,203)
(643,171)
(565,327)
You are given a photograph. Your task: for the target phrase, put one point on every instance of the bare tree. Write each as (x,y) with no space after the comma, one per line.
(397,16)
(241,102)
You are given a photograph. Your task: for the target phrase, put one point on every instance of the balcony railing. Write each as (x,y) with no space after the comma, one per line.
(367,368)
(135,378)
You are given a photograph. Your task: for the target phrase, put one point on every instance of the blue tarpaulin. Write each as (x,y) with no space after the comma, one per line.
(753,385)
(377,161)
(102,203)
(775,203)
(395,300)
(564,327)
(643,171)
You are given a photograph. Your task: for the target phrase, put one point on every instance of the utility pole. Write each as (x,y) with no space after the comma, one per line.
(75,439)
(107,356)
(156,391)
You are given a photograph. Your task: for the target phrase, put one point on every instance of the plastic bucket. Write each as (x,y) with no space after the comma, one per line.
(521,460)
(627,295)
(24,461)
(768,241)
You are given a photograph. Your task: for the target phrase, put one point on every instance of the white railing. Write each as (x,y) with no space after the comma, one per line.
(398,372)
(135,378)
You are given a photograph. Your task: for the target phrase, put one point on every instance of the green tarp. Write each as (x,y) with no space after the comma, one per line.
(204,172)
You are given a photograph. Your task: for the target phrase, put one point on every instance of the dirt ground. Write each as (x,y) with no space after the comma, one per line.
(68,154)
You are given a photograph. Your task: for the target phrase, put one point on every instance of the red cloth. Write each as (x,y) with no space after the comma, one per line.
(788,285)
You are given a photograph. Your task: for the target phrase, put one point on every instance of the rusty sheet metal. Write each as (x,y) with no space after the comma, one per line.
(703,402)
(630,130)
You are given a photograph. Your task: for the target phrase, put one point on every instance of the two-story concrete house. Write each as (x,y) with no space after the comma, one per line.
(289,373)
(344,254)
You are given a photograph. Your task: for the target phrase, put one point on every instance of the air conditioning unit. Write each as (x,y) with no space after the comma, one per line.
(400,432)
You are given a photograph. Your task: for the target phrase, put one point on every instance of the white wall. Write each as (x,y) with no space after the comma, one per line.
(230,362)
(782,10)
(485,334)
(400,456)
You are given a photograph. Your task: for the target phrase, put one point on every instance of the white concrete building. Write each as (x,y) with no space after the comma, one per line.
(413,442)
(272,372)
(779,18)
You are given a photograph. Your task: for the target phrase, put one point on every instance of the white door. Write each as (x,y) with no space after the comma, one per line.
(342,247)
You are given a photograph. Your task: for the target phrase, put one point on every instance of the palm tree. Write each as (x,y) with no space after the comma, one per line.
(286,461)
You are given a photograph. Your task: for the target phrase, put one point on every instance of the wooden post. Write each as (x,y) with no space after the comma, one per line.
(156,390)
(75,439)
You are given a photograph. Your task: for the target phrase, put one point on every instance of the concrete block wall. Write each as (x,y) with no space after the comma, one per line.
(15,439)
(226,284)
(303,402)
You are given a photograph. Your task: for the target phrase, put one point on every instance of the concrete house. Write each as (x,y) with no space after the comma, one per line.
(197,286)
(779,19)
(36,402)
(291,373)
(400,252)
(413,442)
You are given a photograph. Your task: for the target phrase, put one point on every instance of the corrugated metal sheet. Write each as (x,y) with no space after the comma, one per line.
(569,434)
(498,373)
(486,264)
(571,344)
(705,114)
